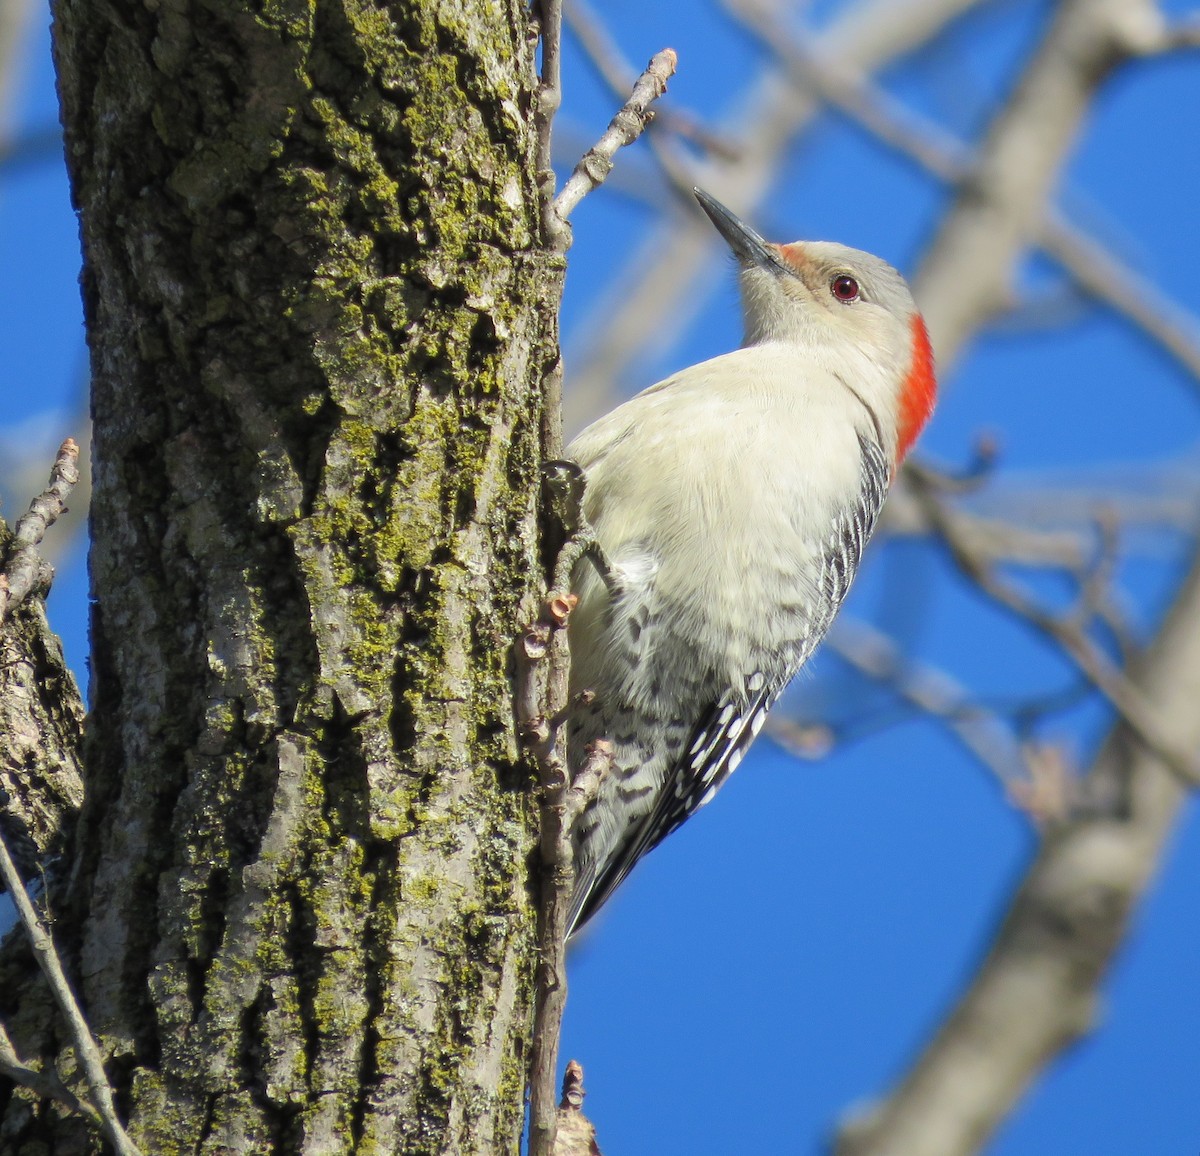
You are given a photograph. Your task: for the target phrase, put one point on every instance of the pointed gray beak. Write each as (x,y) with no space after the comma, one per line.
(747,245)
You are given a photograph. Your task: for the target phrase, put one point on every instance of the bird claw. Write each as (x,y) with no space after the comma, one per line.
(565,485)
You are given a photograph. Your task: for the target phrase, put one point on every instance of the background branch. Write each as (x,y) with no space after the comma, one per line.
(668,278)
(1038,988)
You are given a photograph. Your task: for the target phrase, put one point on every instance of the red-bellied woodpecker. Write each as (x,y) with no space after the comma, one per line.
(732,501)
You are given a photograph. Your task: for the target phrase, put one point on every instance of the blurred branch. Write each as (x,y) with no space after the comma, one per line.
(850,91)
(967,273)
(992,539)
(1017,208)
(14,24)
(1034,776)
(31,148)
(986,737)
(1047,517)
(602,51)
(1141,714)
(1128,292)
(1185,34)
(663,285)
(1038,989)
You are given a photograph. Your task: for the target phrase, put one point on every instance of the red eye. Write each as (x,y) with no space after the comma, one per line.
(844,288)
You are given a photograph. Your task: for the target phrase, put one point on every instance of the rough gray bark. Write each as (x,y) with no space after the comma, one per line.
(41,735)
(319,323)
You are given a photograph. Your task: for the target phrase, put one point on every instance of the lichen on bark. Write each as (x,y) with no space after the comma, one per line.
(319,321)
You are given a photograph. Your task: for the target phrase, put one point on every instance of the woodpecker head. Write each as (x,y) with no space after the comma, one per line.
(848,308)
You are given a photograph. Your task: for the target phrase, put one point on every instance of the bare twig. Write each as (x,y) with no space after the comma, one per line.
(576,1133)
(619,76)
(48,960)
(24,567)
(605,56)
(44,1083)
(595,165)
(542,700)
(624,128)
(549,100)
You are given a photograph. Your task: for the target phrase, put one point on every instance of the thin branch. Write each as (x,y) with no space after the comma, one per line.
(1138,712)
(576,1133)
(1090,264)
(982,732)
(44,1083)
(48,960)
(605,56)
(618,75)
(549,100)
(542,703)
(24,565)
(1037,991)
(624,128)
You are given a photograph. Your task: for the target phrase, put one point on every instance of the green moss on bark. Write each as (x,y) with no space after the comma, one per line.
(318,329)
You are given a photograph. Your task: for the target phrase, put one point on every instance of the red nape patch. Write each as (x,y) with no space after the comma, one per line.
(919,391)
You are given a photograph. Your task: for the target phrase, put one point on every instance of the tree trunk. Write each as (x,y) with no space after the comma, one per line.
(319,318)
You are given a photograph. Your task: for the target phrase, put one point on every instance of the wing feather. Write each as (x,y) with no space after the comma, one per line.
(729,726)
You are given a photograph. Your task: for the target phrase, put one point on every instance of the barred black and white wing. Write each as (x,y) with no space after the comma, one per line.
(716,749)
(724,733)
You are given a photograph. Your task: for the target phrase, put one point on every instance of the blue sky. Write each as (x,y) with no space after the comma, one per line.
(782,956)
